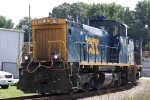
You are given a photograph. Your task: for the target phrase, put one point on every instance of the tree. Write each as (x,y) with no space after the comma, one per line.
(111,11)
(62,11)
(6,23)
(24,22)
(78,8)
(142,16)
(66,10)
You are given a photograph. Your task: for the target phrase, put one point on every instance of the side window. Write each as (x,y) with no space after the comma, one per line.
(115,30)
(105,27)
(137,43)
(123,31)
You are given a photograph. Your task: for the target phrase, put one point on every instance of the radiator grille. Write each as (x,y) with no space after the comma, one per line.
(42,36)
(8,76)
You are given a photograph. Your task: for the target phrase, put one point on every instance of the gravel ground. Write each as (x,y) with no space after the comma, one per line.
(139,92)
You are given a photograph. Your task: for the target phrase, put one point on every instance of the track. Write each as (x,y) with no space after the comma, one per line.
(74,96)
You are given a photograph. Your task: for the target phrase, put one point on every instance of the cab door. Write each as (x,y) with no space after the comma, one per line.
(114,44)
(123,52)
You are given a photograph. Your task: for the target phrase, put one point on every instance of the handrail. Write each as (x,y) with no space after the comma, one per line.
(20,53)
(60,41)
(17,59)
(76,50)
(79,59)
(90,43)
(135,60)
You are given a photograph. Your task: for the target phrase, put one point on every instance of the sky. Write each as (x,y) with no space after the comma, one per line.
(17,9)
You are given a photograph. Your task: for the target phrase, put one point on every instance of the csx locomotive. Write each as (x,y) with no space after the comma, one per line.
(69,56)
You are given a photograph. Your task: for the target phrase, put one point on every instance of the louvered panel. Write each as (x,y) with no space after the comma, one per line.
(42,36)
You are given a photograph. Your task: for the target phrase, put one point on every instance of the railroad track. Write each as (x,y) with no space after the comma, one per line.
(74,96)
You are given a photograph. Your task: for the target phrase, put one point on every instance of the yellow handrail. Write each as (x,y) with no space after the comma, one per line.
(17,60)
(76,50)
(60,41)
(20,53)
(77,55)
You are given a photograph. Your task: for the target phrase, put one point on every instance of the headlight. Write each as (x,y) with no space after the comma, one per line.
(55,56)
(26,57)
(2,76)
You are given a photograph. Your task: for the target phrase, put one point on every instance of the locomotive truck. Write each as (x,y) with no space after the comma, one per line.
(69,56)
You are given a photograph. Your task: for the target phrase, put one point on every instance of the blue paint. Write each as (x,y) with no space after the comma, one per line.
(112,48)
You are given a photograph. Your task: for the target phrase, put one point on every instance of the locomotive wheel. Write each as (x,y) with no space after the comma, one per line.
(99,89)
(118,82)
(92,83)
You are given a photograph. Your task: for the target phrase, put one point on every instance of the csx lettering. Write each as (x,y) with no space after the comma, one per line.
(93,42)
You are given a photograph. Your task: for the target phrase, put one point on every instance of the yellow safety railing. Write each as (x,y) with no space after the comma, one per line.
(60,41)
(76,50)
(24,49)
(77,54)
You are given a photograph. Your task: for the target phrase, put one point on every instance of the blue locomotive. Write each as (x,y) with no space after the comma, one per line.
(69,56)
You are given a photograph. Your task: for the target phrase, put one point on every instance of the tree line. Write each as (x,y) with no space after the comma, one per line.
(136,19)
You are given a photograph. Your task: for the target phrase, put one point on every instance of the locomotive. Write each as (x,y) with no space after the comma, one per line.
(69,56)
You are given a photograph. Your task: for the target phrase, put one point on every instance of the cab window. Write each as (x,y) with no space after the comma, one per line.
(137,43)
(105,27)
(123,31)
(115,30)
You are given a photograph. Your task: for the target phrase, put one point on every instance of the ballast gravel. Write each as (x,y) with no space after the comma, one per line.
(139,92)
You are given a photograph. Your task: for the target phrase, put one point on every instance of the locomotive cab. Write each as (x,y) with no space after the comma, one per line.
(118,39)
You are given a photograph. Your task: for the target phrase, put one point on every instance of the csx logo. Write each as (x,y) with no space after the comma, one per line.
(94,45)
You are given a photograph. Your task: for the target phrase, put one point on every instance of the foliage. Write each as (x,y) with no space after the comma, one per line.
(66,10)
(6,23)
(12,92)
(111,11)
(62,11)
(24,22)
(142,16)
(77,8)
(15,84)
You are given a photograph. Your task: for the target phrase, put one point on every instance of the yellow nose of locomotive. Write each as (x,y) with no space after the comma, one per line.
(49,34)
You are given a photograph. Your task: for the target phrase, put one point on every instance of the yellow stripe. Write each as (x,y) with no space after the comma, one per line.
(104,64)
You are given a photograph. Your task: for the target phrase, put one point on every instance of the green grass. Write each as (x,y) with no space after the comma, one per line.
(11,92)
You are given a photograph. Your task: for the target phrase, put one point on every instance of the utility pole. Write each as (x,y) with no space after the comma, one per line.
(147,28)
(29,28)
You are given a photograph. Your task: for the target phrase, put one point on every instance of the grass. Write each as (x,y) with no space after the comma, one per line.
(11,92)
